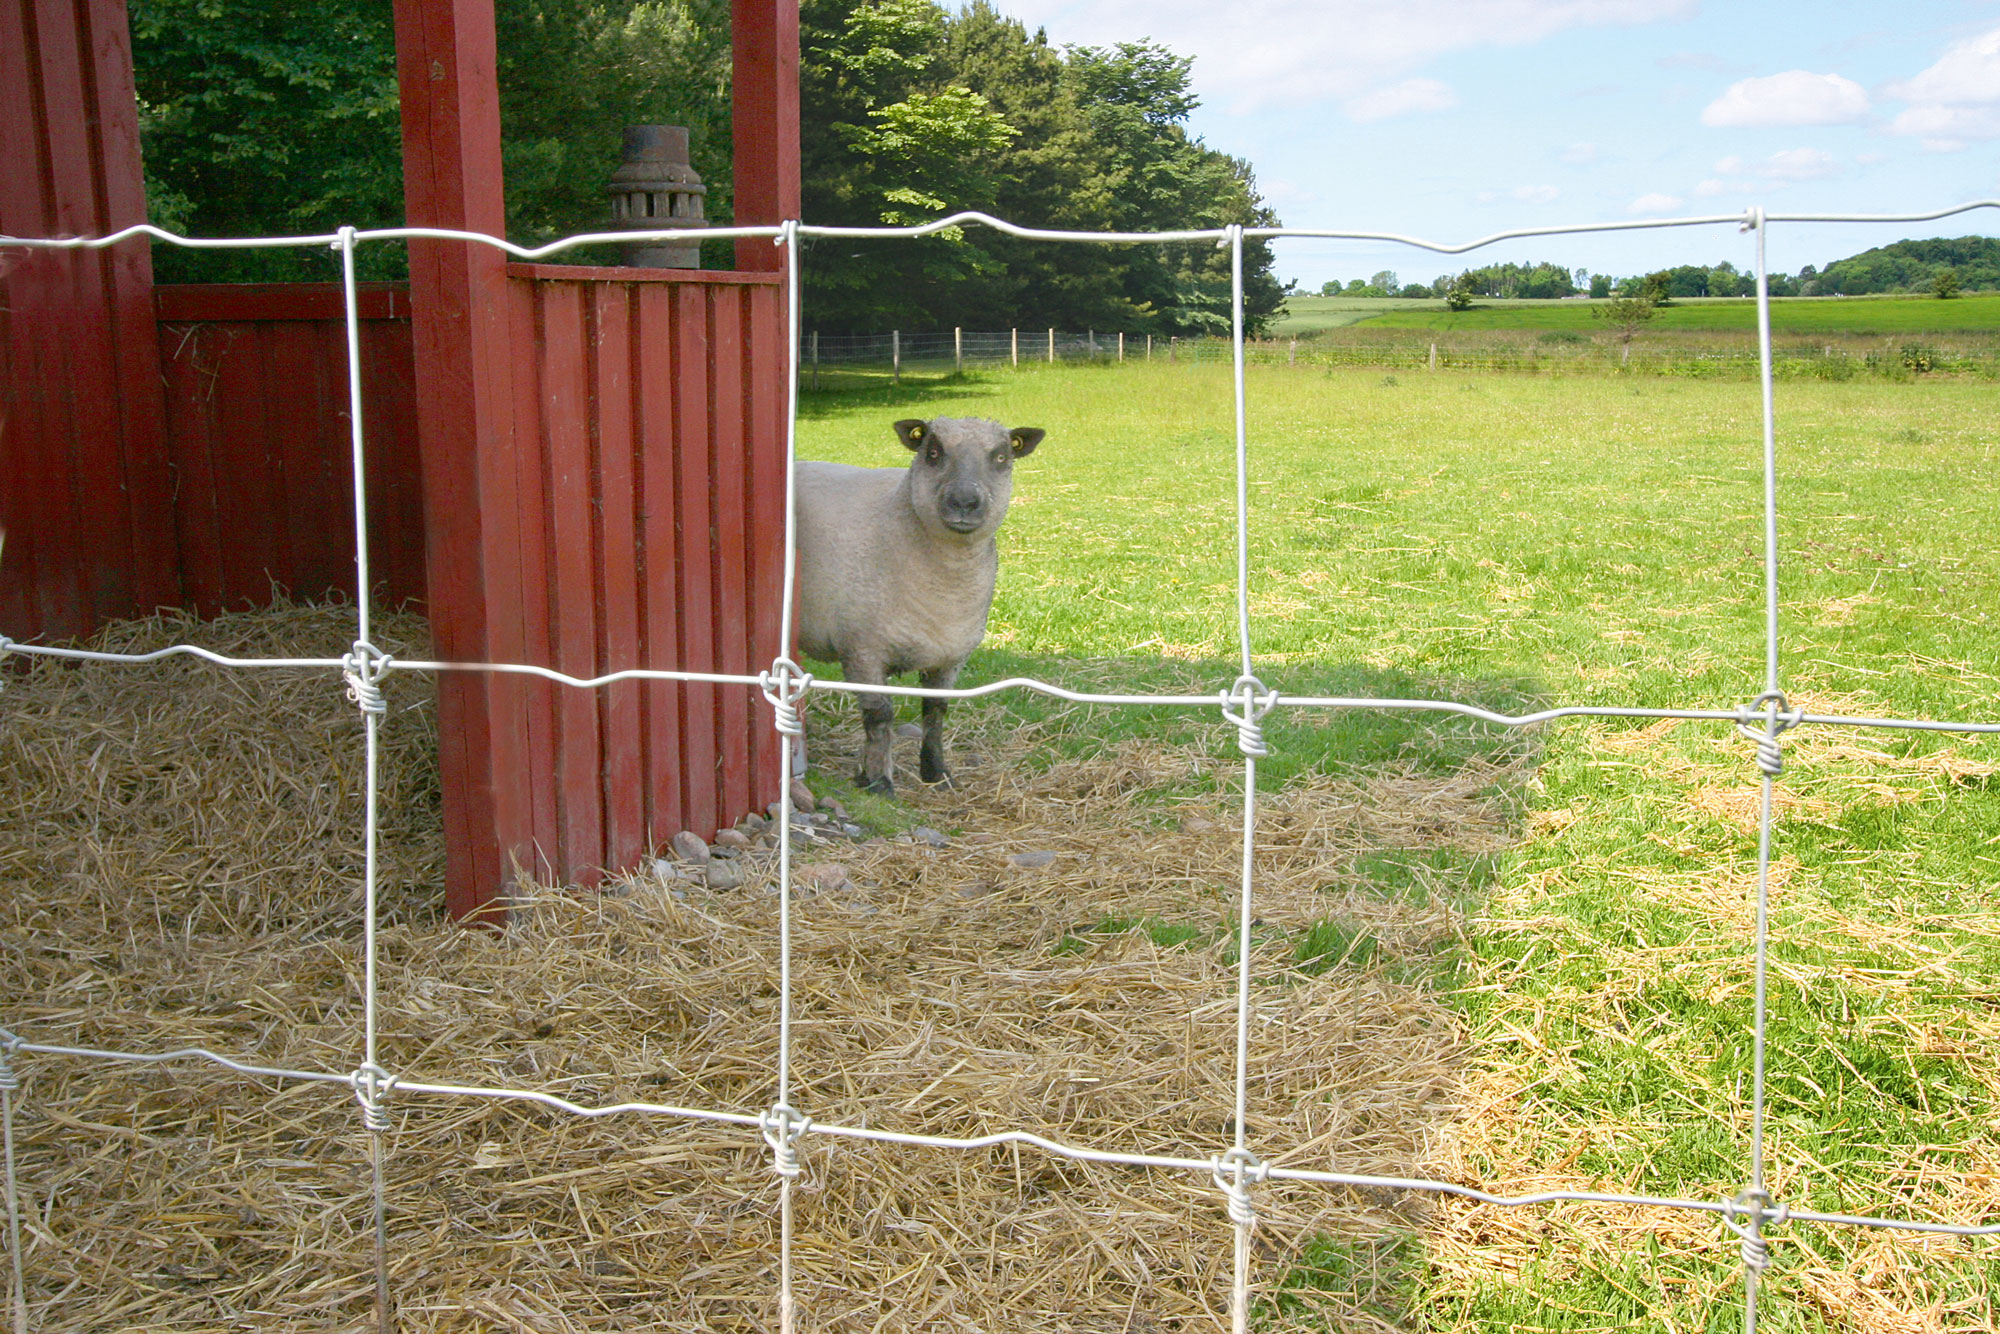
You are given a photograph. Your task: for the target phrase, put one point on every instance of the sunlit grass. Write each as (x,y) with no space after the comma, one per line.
(1592,541)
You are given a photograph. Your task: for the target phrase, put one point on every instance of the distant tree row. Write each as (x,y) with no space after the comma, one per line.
(1940,267)
(262,117)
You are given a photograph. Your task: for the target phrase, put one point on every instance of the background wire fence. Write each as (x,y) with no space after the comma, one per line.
(1237,1168)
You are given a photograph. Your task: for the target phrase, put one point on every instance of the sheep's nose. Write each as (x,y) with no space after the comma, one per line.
(964,508)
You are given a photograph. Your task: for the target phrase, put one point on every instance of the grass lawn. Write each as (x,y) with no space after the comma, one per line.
(1593,540)
(1883,315)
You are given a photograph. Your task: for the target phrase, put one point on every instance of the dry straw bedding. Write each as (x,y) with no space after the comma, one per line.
(182,868)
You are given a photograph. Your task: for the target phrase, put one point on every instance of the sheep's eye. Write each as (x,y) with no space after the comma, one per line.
(999,458)
(933,455)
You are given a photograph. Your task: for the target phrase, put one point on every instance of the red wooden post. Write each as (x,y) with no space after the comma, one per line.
(765,84)
(445,57)
(85,491)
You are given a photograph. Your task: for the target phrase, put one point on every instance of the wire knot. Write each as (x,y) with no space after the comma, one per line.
(785,685)
(783,1128)
(1753,219)
(364,667)
(1234,1172)
(371,1088)
(1777,719)
(788,231)
(1756,1206)
(1232,236)
(1256,700)
(9,1081)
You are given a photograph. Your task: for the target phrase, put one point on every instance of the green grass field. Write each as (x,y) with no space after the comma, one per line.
(1593,540)
(1869,315)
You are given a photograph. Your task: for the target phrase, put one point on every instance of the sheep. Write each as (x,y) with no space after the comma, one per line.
(896,568)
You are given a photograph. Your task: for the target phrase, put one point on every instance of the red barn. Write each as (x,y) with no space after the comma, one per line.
(578,468)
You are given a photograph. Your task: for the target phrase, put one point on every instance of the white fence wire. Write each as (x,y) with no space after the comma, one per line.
(1235,1169)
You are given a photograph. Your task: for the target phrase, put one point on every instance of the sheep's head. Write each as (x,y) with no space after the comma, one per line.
(963,474)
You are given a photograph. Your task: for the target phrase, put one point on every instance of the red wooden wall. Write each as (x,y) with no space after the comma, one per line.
(646,435)
(258,438)
(84,475)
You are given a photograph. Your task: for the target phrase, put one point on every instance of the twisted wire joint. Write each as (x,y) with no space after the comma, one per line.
(785,685)
(1234,1172)
(783,1128)
(9,1081)
(1755,1205)
(1777,720)
(1256,700)
(371,1089)
(363,668)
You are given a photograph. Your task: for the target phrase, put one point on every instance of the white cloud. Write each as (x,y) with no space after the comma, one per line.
(1654,203)
(1401,99)
(1580,154)
(1710,188)
(1733,174)
(1253,54)
(1956,102)
(1796,97)
(1537,194)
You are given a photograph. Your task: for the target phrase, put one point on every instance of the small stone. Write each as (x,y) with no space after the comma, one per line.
(925,834)
(983,836)
(724,875)
(1195,824)
(837,811)
(802,797)
(666,870)
(732,838)
(824,877)
(753,824)
(909,731)
(852,830)
(1032,860)
(691,847)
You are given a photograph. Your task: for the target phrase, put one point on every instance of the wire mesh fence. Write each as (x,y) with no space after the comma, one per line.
(1239,1168)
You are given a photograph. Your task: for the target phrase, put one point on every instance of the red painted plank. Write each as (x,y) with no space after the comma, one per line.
(694,520)
(395,484)
(767,406)
(189,302)
(765,79)
(305,383)
(617,467)
(531,609)
(659,558)
(731,546)
(565,408)
(248,488)
(641,277)
(188,356)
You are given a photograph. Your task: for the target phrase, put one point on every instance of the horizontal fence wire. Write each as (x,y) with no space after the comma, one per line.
(1243,705)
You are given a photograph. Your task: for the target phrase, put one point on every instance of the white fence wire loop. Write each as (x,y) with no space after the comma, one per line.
(372,1085)
(783,1129)
(1244,705)
(785,687)
(9,1081)
(363,668)
(1234,1173)
(1776,719)
(1757,1212)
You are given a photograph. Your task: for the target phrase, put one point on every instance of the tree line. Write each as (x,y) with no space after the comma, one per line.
(264,117)
(1942,267)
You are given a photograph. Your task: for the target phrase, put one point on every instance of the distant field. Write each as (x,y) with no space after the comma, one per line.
(1789,315)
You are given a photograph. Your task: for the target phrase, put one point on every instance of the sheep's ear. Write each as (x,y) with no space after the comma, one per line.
(911,432)
(1025,439)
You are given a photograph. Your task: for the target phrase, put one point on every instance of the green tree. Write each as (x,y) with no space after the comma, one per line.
(1945,285)
(1458,293)
(1628,315)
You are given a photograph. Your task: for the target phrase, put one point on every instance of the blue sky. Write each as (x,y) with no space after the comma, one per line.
(1452,119)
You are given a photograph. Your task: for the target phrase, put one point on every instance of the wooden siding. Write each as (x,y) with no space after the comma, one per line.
(85,491)
(258,434)
(650,464)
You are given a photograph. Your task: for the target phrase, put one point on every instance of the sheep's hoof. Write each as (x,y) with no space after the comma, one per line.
(939,778)
(881,787)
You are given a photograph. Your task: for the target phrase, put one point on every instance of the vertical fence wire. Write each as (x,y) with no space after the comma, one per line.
(364,674)
(17,1291)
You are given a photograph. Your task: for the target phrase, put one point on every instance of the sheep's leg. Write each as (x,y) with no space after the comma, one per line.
(878,726)
(931,758)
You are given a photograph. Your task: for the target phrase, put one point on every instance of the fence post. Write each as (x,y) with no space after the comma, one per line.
(1121,346)
(958,349)
(1090,345)
(1149,347)
(1173,344)
(1052,347)
(1292,356)
(896,354)
(1014,339)
(1434,355)
(815,361)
